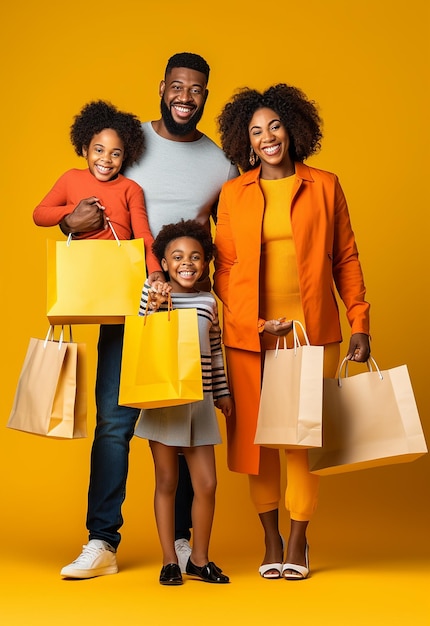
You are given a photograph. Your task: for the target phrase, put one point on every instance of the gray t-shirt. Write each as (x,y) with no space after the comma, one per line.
(180,179)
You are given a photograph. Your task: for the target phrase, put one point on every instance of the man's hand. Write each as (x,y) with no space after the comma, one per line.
(156,276)
(88,216)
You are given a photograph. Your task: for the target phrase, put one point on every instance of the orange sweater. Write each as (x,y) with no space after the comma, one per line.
(122,198)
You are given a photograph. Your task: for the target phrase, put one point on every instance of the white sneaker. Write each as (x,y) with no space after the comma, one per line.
(96,559)
(183,551)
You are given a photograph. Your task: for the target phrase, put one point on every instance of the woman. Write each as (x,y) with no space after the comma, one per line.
(283,239)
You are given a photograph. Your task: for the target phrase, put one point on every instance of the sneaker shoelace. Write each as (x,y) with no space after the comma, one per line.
(89,553)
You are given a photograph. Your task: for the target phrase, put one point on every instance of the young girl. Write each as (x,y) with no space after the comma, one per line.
(110,140)
(184,250)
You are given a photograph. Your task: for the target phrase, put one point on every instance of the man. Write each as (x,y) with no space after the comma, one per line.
(181,173)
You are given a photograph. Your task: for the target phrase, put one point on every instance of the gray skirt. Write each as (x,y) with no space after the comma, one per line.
(186,425)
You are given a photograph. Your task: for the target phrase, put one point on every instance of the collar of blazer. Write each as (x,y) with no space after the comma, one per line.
(253,176)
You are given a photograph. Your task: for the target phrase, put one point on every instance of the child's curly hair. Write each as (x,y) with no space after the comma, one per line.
(184,228)
(298,115)
(98,115)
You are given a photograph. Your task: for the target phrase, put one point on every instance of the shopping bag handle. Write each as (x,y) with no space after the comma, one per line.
(69,238)
(297,343)
(169,308)
(371,363)
(113,231)
(50,336)
(277,345)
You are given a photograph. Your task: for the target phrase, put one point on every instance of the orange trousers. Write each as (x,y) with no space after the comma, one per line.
(301,494)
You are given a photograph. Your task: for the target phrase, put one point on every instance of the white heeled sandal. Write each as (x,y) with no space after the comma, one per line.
(269,567)
(272,567)
(296,572)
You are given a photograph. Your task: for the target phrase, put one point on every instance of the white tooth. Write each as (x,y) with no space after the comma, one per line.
(271,150)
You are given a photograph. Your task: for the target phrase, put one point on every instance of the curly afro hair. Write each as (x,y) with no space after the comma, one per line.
(184,228)
(297,114)
(98,115)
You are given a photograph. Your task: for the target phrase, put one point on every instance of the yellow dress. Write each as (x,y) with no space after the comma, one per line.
(279,281)
(280,297)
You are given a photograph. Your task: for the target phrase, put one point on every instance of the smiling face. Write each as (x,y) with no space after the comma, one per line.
(184,261)
(105,155)
(183,96)
(270,141)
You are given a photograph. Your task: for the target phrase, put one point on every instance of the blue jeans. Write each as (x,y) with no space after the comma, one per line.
(111,446)
(114,429)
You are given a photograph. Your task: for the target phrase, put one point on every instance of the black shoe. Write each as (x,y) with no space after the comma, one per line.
(210,573)
(171,575)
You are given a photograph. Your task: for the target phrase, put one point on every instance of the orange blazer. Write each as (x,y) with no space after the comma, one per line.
(326,252)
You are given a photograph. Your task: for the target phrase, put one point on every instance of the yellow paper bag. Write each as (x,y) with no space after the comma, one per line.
(161,363)
(94,281)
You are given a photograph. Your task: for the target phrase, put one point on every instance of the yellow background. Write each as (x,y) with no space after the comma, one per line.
(366,64)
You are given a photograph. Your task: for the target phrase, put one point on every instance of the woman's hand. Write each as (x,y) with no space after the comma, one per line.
(279,327)
(359,348)
(225,404)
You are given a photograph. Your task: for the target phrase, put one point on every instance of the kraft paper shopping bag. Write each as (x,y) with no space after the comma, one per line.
(161,364)
(93,281)
(290,412)
(51,395)
(370,419)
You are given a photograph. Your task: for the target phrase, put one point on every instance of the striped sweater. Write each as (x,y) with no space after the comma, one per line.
(213,373)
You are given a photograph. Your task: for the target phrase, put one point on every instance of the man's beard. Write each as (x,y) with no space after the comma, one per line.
(179,129)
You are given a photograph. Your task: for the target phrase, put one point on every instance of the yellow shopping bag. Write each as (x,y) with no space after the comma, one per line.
(94,281)
(161,363)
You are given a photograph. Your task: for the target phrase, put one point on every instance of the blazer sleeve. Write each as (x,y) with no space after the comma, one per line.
(225,250)
(347,271)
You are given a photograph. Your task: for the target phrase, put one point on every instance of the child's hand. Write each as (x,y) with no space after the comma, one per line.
(225,405)
(158,293)
(160,287)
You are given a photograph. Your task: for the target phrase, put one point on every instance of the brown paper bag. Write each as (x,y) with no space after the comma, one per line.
(370,419)
(51,396)
(290,412)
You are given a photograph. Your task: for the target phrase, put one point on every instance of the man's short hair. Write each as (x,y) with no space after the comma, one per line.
(190,61)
